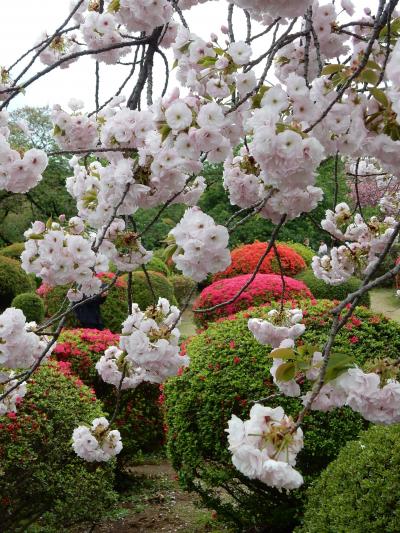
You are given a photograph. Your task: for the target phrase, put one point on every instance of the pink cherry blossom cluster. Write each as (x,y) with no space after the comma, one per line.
(365,393)
(96,443)
(100,30)
(60,254)
(74,131)
(201,245)
(265,447)
(148,348)
(58,49)
(20,347)
(19,172)
(364,241)
(280,326)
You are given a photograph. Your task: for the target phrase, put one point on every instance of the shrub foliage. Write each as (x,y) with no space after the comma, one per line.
(31,305)
(13,281)
(322,290)
(41,477)
(228,371)
(360,490)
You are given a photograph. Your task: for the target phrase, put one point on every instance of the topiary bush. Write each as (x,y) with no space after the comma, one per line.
(115,308)
(304,251)
(31,305)
(156,264)
(183,287)
(322,290)
(13,281)
(139,418)
(42,480)
(360,490)
(228,370)
(264,289)
(245,259)
(13,250)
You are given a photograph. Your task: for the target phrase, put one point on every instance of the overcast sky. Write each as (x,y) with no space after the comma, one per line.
(24,20)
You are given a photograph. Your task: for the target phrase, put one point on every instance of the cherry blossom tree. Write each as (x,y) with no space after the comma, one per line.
(309,81)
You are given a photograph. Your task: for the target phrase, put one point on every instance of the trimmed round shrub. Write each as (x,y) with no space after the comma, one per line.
(42,480)
(14,250)
(245,259)
(304,251)
(183,287)
(264,289)
(229,370)
(139,418)
(13,281)
(115,308)
(322,290)
(156,264)
(360,490)
(31,305)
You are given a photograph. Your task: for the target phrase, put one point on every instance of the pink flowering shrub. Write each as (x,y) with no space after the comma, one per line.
(264,289)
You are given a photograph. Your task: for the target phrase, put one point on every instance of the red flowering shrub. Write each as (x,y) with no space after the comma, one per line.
(246,257)
(41,477)
(139,419)
(265,288)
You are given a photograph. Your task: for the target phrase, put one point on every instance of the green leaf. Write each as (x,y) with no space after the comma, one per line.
(207,61)
(379,96)
(332,69)
(114,6)
(282,353)
(285,372)
(337,364)
(369,76)
(165,131)
(373,65)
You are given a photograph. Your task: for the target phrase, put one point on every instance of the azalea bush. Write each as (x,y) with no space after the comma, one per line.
(140,419)
(363,483)
(42,480)
(229,371)
(245,258)
(264,289)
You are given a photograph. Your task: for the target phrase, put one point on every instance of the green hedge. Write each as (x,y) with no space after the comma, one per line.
(42,480)
(183,287)
(322,290)
(13,281)
(228,370)
(14,250)
(304,251)
(115,309)
(360,490)
(139,417)
(31,305)
(156,264)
